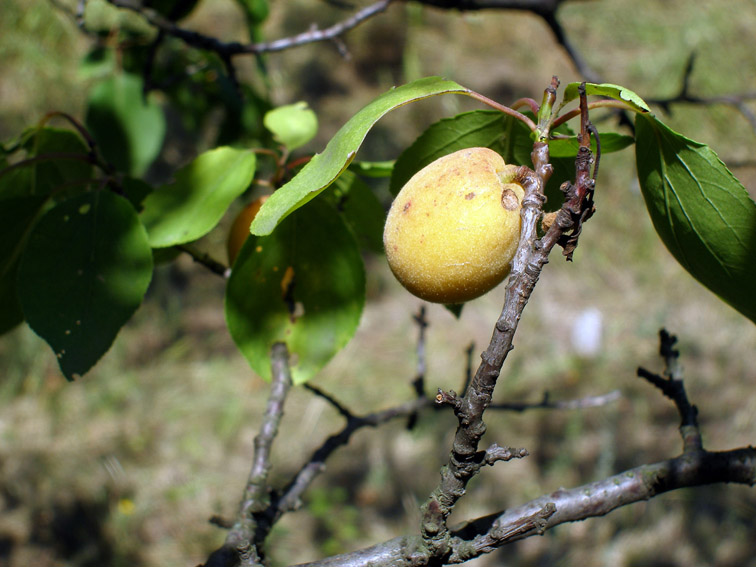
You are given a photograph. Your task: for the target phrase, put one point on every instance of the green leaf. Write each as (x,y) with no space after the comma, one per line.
(610,142)
(320,172)
(376,169)
(304,284)
(608,90)
(10,309)
(194,203)
(702,213)
(129,129)
(360,208)
(479,128)
(484,128)
(62,165)
(17,217)
(292,125)
(84,272)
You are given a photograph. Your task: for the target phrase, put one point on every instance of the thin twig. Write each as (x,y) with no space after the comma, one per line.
(672,386)
(244,540)
(233,48)
(547,403)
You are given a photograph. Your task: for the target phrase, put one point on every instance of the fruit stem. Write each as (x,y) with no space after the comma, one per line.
(608,103)
(529,102)
(505,109)
(545,113)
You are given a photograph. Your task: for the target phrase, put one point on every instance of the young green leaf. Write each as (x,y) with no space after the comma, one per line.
(194,203)
(608,90)
(320,172)
(128,129)
(292,125)
(303,285)
(83,273)
(702,213)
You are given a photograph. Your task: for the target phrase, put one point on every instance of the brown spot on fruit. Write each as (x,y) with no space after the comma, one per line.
(509,200)
(469,196)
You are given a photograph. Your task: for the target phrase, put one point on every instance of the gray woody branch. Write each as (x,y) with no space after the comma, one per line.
(587,501)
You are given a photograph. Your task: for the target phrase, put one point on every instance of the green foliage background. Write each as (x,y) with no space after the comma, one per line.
(157,438)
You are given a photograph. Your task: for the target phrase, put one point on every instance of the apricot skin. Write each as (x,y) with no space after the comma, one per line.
(453,229)
(239,231)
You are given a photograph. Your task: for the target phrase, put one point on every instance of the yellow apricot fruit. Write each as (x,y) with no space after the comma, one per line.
(453,229)
(239,231)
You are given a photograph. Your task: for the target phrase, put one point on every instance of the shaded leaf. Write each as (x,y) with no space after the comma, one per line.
(17,217)
(340,151)
(702,213)
(360,208)
(62,165)
(83,273)
(376,169)
(194,203)
(479,128)
(610,142)
(484,128)
(292,125)
(304,285)
(129,129)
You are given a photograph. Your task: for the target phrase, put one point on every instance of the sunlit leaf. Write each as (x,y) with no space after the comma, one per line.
(194,203)
(702,213)
(340,151)
(129,129)
(608,90)
(304,285)
(292,125)
(83,273)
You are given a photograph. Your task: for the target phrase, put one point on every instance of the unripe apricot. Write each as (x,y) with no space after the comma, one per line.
(239,231)
(453,229)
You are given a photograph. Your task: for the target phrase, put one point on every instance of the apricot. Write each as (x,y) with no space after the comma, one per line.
(239,231)
(453,229)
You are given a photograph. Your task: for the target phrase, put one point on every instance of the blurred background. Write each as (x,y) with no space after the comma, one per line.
(126,465)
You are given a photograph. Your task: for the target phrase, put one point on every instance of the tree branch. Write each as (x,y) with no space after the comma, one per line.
(572,505)
(249,531)
(226,50)
(530,258)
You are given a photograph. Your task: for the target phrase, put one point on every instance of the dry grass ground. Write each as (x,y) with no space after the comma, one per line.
(128,464)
